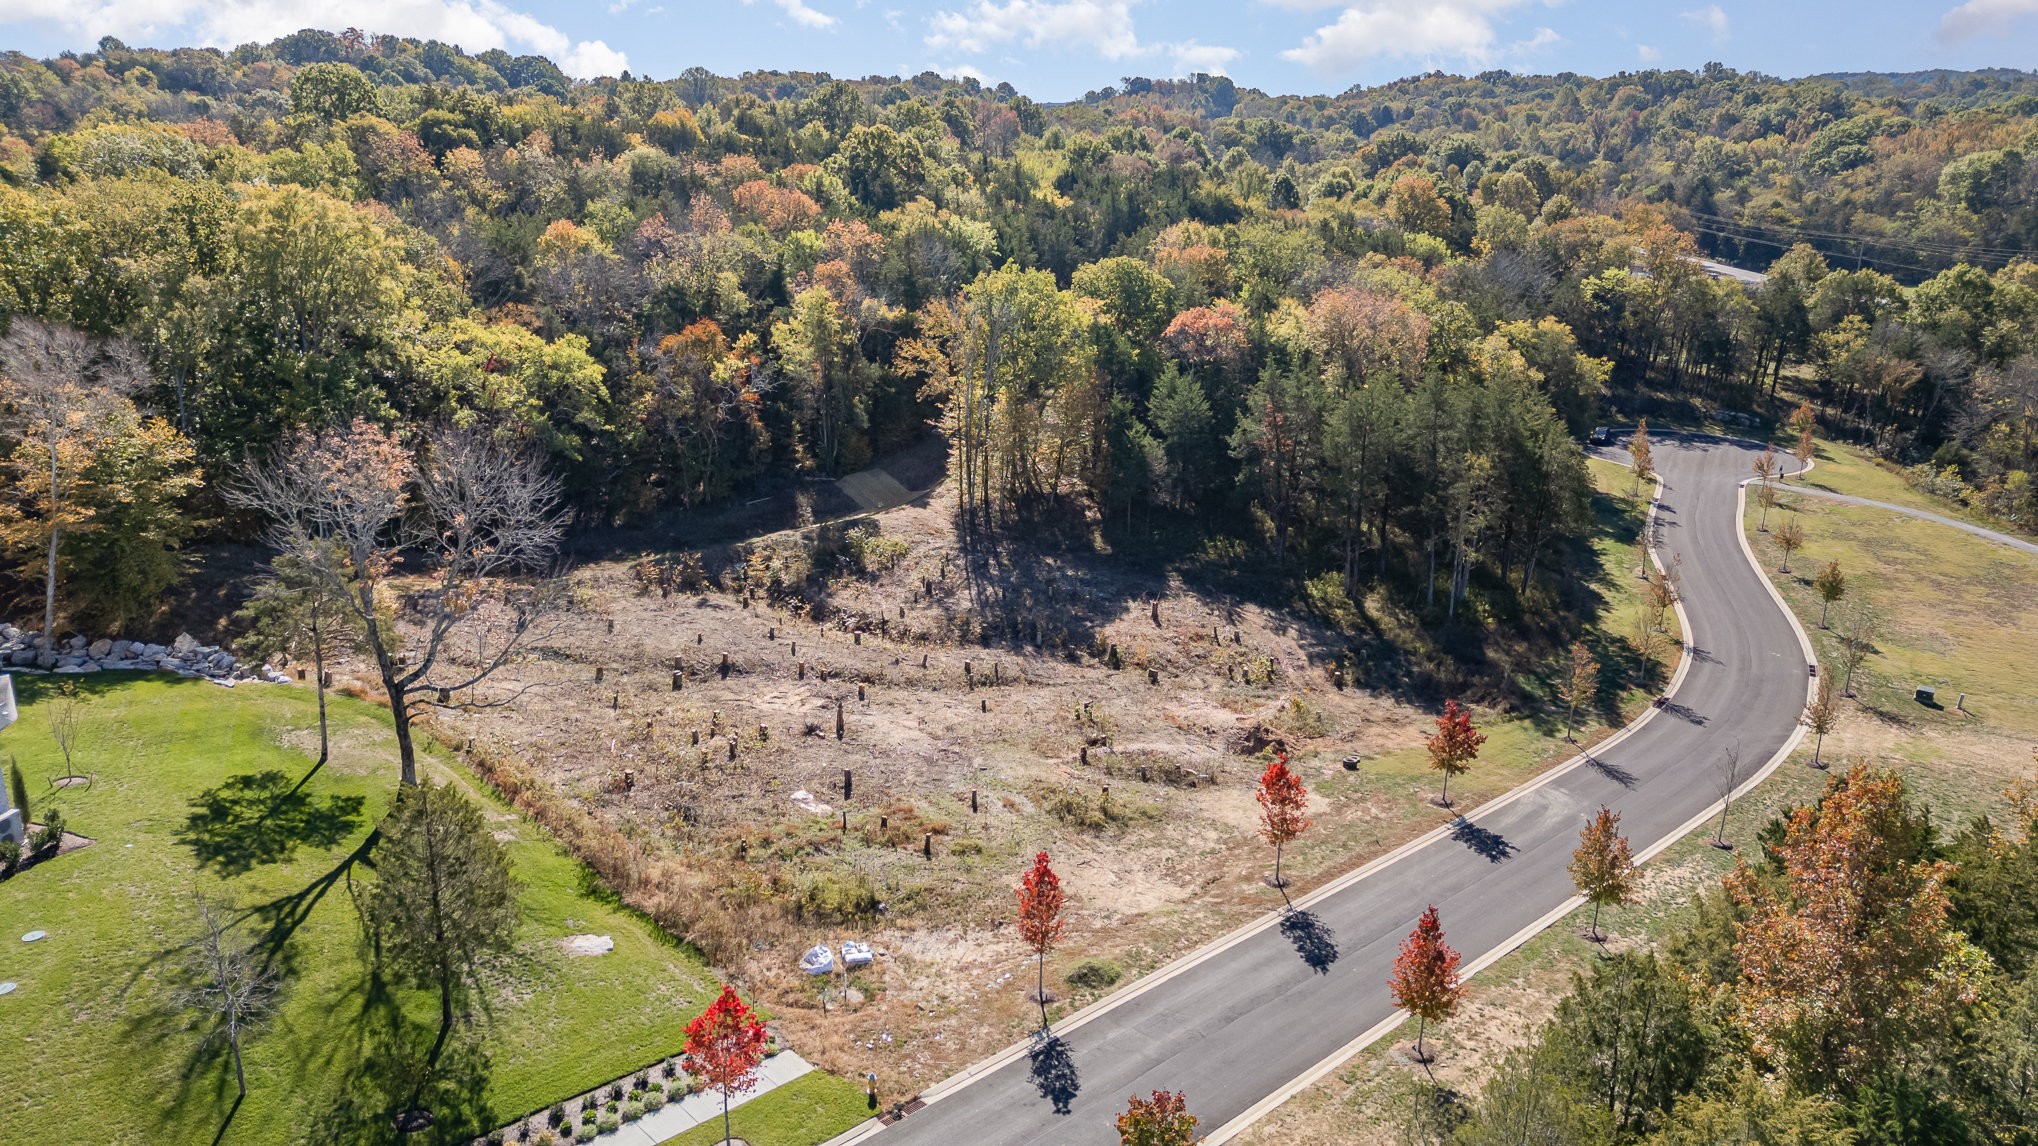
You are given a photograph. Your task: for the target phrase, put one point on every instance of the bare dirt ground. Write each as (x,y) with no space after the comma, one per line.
(1117,721)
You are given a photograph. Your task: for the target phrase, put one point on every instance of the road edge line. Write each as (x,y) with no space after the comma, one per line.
(1315,1074)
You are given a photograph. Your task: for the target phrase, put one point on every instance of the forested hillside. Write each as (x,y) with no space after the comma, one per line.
(1366,331)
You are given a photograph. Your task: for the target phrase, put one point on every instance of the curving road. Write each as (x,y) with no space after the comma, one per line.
(1246,1021)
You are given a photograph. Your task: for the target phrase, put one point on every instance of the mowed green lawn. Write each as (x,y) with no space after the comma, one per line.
(811,1108)
(94,1053)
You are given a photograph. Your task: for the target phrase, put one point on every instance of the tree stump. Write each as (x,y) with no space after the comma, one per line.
(725,666)
(678,680)
(838,719)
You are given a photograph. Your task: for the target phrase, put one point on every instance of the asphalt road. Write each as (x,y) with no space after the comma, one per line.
(1231,1028)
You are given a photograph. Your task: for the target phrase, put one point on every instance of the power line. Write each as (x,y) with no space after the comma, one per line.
(1875,260)
(1921,245)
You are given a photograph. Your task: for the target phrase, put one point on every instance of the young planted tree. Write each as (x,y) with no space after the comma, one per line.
(1789,539)
(1644,457)
(724,1045)
(1426,983)
(1579,685)
(346,504)
(1823,713)
(1453,746)
(1765,495)
(1040,921)
(1859,628)
(1603,868)
(1283,804)
(64,710)
(445,901)
(63,394)
(1804,422)
(1832,585)
(226,984)
(297,613)
(1726,778)
(1163,1120)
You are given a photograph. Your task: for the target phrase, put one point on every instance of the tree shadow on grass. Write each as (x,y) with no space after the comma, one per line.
(387,1073)
(1492,845)
(1053,1070)
(257,818)
(1314,942)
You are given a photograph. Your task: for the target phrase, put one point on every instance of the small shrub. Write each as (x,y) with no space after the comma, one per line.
(633,1110)
(607,1124)
(671,1069)
(638,1083)
(50,834)
(833,898)
(966,847)
(585,1132)
(588,1113)
(654,1100)
(1094,974)
(494,1138)
(1094,813)
(10,855)
(557,1115)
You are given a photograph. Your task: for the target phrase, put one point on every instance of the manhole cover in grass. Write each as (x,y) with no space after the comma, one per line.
(6,988)
(33,936)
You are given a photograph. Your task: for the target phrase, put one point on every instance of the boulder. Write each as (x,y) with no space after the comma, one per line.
(9,632)
(100,648)
(22,657)
(154,652)
(78,642)
(121,649)
(184,644)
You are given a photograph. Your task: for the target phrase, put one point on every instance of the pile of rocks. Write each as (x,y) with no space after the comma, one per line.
(27,651)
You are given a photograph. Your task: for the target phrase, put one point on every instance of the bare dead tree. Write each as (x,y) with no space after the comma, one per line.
(349,503)
(60,389)
(226,984)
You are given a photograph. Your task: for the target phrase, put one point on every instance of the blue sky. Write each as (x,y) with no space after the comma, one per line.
(1057,49)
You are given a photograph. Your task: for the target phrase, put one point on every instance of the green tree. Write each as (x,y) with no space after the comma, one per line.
(139,487)
(1180,414)
(443,900)
(65,396)
(1630,1039)
(331,92)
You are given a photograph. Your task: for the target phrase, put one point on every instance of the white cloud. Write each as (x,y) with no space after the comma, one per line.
(475,25)
(1984,18)
(1544,38)
(1102,25)
(1427,30)
(801,14)
(1190,57)
(1713,19)
(1648,54)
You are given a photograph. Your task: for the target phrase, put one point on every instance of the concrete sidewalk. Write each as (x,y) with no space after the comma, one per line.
(679,1117)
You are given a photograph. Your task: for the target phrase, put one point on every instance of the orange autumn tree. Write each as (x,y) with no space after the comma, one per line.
(724,1044)
(1426,982)
(1603,868)
(1040,921)
(1454,746)
(1283,800)
(1163,1120)
(1848,957)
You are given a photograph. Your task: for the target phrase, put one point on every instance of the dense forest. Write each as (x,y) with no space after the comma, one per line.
(1365,331)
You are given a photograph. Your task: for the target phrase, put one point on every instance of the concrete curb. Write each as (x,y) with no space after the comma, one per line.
(1246,931)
